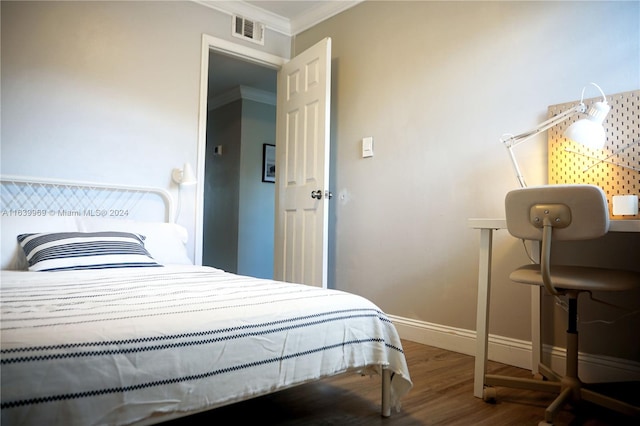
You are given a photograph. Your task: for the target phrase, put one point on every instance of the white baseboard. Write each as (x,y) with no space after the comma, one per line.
(593,368)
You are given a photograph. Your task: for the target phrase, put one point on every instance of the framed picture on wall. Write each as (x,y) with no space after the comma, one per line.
(268,163)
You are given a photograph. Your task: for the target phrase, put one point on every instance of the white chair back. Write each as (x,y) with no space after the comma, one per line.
(586,206)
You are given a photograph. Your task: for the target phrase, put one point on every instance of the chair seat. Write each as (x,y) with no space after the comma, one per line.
(566,277)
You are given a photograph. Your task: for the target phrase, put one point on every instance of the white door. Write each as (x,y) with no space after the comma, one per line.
(302,167)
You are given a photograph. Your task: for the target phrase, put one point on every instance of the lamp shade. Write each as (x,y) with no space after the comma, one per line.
(185,176)
(589,131)
(188,177)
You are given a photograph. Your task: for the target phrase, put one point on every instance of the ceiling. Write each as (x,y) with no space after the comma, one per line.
(287,9)
(226,73)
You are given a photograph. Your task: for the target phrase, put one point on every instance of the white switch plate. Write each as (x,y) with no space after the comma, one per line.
(367,147)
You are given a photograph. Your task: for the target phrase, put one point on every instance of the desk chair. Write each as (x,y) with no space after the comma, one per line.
(563,212)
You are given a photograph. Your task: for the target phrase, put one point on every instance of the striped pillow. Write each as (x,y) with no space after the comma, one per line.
(64,251)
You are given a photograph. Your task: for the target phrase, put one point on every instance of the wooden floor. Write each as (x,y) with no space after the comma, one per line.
(442,395)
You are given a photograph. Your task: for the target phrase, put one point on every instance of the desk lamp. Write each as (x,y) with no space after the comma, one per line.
(587,131)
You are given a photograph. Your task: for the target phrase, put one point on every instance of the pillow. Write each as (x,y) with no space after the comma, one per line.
(12,256)
(63,251)
(166,242)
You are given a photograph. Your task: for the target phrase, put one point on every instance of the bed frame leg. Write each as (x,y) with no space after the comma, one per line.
(386,392)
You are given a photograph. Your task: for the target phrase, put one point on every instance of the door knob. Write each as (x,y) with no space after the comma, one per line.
(316,194)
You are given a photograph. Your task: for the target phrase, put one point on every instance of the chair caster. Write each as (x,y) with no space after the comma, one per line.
(489,394)
(539,376)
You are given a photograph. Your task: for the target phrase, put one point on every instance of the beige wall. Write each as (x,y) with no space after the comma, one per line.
(436,84)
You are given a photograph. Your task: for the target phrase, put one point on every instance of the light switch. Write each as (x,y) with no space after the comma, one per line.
(367,147)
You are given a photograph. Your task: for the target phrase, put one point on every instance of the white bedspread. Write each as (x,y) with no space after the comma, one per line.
(123,346)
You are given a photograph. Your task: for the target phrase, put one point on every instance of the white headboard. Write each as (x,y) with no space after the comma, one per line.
(50,205)
(28,196)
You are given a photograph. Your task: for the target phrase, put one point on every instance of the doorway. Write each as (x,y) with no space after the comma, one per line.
(238,207)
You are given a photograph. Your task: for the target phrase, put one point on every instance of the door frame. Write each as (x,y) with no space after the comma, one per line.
(238,51)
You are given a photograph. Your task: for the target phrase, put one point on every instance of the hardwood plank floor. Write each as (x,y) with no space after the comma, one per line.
(442,395)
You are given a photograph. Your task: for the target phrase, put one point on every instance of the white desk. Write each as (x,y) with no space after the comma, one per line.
(486,227)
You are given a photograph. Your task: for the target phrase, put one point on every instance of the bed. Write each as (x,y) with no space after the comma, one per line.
(122,329)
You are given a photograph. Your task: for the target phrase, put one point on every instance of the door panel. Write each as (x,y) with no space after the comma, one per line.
(302,152)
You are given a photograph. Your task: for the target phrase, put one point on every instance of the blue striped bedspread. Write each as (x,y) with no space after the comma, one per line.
(134,345)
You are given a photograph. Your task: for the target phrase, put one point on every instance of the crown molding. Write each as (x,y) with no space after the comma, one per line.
(321,12)
(242,92)
(278,23)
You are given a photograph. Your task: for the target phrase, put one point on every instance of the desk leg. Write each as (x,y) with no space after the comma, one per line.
(482,319)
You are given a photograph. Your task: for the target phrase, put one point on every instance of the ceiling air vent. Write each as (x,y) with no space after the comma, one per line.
(249,30)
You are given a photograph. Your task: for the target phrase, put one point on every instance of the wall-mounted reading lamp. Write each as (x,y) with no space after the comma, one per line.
(587,131)
(184,176)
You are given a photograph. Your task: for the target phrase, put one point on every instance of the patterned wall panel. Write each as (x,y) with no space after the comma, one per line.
(615,168)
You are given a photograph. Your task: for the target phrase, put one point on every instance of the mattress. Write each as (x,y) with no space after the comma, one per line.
(138,345)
